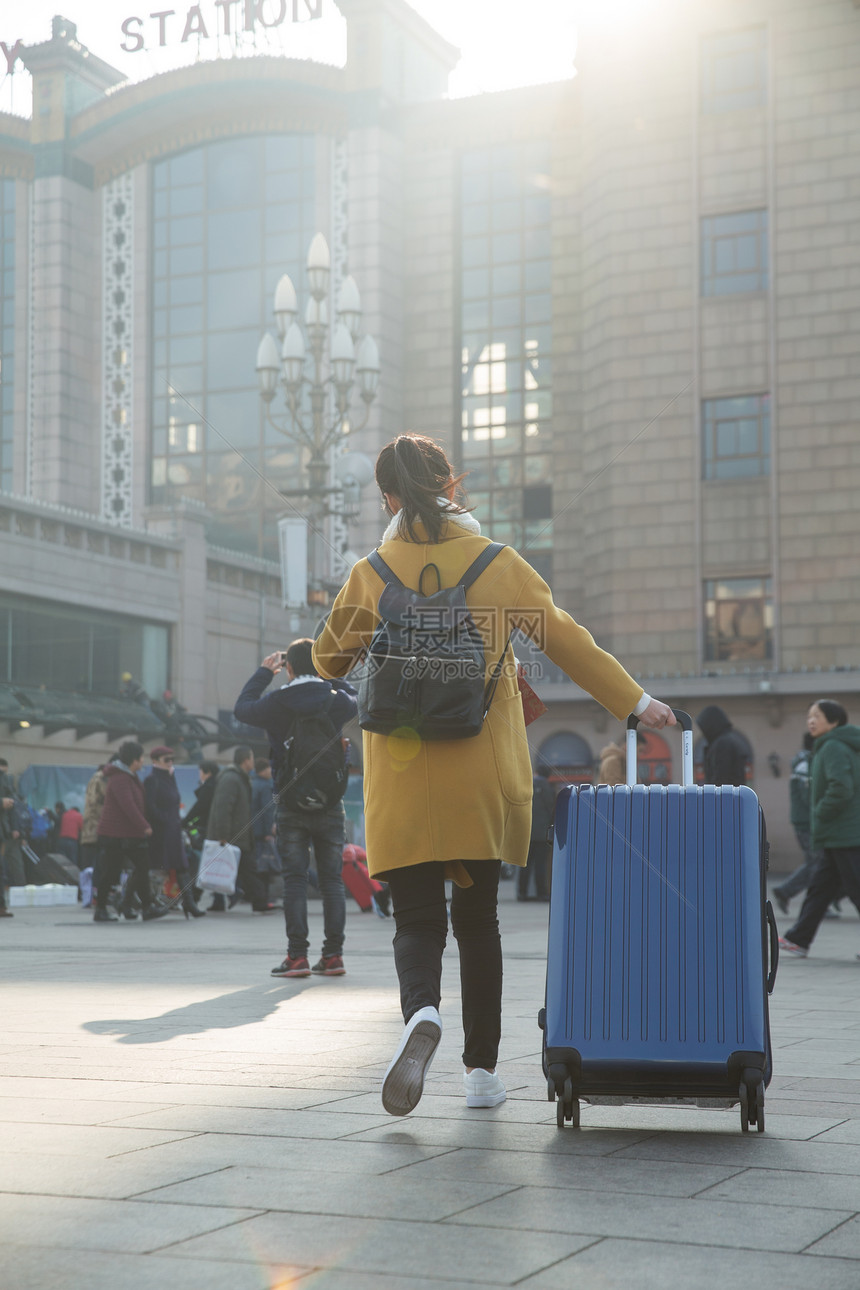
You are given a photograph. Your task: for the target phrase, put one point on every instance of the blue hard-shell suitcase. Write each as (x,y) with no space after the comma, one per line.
(659,940)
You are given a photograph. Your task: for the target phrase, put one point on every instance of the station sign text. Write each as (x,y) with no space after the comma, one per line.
(230,18)
(11,53)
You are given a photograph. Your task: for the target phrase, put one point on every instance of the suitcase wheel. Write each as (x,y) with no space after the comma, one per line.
(567,1107)
(751,1096)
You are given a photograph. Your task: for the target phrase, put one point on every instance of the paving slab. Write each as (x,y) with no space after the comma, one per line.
(81,1140)
(589,1173)
(253,1120)
(843,1242)
(693,1222)
(207,1151)
(401,1194)
(462,1255)
(504,1135)
(748,1151)
(27,1268)
(657,1265)
(138,1227)
(784,1187)
(169,1115)
(118,1179)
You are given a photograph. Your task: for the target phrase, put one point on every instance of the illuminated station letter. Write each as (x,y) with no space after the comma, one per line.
(278,19)
(199,28)
(162,23)
(11,55)
(225,6)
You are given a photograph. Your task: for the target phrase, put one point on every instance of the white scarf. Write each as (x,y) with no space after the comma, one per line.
(461,518)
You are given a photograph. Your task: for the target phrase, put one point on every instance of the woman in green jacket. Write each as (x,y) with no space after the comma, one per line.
(834,819)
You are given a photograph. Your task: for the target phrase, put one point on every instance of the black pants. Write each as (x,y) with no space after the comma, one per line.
(421,921)
(539,856)
(838,869)
(117,854)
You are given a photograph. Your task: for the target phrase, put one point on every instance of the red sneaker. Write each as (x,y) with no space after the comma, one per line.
(293,967)
(332,966)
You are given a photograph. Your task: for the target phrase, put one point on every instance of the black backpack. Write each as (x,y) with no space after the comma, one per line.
(313,775)
(424,669)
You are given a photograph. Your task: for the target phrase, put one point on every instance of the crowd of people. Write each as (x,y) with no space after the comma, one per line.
(130,830)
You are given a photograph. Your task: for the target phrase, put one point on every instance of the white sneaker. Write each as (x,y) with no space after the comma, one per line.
(404,1079)
(483,1089)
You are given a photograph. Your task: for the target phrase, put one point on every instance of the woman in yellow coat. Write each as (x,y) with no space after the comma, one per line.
(455,808)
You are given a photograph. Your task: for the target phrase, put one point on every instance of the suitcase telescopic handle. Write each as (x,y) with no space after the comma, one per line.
(685,721)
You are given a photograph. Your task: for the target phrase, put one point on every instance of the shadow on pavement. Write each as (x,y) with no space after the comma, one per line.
(236,1008)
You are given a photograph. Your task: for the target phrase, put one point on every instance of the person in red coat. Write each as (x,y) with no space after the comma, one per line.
(69,835)
(123,835)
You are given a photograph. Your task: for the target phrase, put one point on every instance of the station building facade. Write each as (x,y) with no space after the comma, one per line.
(628,304)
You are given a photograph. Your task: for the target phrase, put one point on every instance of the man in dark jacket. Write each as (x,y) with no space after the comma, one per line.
(123,835)
(543,808)
(305,695)
(230,822)
(726,753)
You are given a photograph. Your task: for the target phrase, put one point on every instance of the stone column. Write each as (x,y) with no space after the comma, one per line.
(186,523)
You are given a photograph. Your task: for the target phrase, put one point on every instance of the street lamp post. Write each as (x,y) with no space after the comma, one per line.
(318,402)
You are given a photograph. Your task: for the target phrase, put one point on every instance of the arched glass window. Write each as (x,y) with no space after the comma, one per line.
(568,758)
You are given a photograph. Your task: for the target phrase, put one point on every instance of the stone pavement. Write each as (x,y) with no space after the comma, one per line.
(172,1116)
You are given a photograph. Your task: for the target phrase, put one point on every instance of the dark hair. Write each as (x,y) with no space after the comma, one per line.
(4,765)
(300,658)
(242,753)
(416,471)
(129,752)
(209,767)
(832,712)
(261,764)
(808,741)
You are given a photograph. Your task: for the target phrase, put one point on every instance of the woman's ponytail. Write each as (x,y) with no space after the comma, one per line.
(416,471)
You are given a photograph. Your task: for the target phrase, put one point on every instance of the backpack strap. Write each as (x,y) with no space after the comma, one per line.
(474,571)
(478,566)
(387,574)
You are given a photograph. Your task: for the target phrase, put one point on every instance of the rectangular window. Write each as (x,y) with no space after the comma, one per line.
(85,651)
(229,218)
(505,330)
(734,70)
(738,620)
(734,253)
(736,437)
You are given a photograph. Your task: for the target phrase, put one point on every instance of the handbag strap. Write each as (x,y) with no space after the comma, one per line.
(490,691)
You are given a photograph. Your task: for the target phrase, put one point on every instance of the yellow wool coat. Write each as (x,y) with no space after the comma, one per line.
(467,799)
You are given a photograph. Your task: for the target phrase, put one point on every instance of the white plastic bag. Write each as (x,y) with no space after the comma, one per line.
(218,867)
